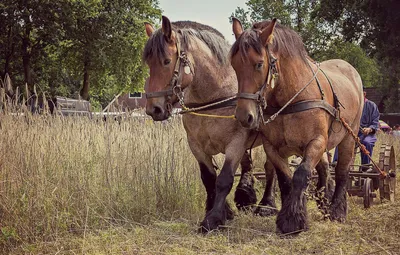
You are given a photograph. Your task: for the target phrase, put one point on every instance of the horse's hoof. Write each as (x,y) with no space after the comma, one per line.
(265,211)
(290,225)
(245,197)
(210,223)
(292,218)
(338,213)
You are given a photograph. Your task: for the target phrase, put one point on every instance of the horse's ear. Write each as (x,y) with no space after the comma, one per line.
(237,27)
(267,34)
(167,29)
(149,29)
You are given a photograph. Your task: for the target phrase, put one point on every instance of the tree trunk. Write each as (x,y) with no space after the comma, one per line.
(85,89)
(26,61)
(7,66)
(9,52)
(299,16)
(26,51)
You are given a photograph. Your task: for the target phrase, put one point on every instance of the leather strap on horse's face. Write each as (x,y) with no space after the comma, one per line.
(269,82)
(174,80)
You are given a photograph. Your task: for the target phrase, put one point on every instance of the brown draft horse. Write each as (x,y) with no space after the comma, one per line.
(275,74)
(192,57)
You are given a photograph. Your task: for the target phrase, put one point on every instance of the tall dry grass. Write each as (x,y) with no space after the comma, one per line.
(63,177)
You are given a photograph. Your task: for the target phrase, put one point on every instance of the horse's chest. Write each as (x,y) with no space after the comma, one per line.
(212,136)
(290,133)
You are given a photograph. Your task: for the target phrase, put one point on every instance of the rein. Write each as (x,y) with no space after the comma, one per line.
(230,101)
(382,173)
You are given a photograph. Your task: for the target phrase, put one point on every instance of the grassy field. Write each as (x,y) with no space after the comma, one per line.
(81,186)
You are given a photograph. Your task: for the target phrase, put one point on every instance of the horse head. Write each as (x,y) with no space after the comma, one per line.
(254,61)
(164,57)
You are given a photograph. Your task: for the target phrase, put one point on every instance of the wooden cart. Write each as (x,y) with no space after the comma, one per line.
(365,184)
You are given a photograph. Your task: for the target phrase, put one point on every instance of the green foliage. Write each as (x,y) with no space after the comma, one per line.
(374,25)
(58,41)
(356,56)
(243,16)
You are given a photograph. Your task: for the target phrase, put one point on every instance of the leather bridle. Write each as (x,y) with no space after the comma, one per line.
(269,82)
(175,84)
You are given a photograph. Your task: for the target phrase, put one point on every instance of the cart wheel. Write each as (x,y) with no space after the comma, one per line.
(387,162)
(368,193)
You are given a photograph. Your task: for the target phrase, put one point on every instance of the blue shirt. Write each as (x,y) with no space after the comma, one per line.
(370,116)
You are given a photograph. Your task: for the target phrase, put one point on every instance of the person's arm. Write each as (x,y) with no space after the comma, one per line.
(374,118)
(373,126)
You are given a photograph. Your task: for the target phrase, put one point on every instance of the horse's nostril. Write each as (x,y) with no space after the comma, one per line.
(157,110)
(250,118)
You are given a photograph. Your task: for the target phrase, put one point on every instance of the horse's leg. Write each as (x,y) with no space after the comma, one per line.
(293,216)
(338,210)
(207,171)
(245,195)
(282,169)
(267,206)
(219,213)
(208,176)
(325,183)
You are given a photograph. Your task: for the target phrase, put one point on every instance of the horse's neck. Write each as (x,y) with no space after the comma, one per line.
(294,74)
(211,81)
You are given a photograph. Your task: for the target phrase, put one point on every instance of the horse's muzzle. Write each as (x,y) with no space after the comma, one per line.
(246,118)
(157,112)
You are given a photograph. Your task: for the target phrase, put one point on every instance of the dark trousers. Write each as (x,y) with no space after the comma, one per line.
(369,143)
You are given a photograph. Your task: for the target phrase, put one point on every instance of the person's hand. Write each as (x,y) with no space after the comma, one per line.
(366,131)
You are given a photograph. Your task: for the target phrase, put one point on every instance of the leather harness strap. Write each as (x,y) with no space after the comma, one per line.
(302,106)
(161,93)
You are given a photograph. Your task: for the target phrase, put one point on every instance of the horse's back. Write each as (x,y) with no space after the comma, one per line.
(347,85)
(339,68)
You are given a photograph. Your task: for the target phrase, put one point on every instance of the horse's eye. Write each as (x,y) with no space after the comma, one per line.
(259,66)
(167,62)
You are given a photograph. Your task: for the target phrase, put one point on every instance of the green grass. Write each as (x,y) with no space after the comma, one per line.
(81,186)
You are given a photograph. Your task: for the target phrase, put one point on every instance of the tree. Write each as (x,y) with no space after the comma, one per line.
(32,25)
(69,45)
(242,15)
(374,24)
(107,37)
(356,56)
(9,40)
